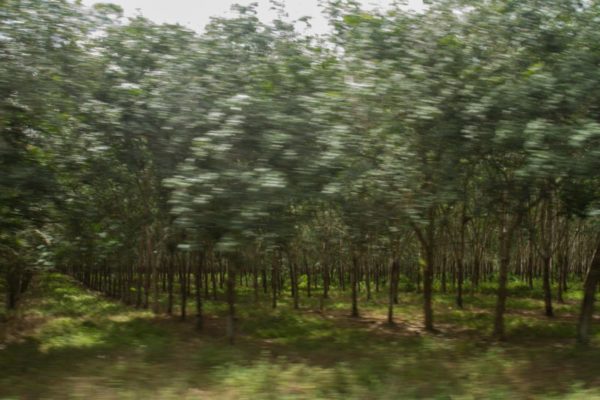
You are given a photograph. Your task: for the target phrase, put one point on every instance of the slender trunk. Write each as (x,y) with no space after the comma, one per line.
(459,286)
(368,279)
(428,288)
(342,280)
(189,276)
(308,276)
(213,276)
(221,273)
(294,274)
(393,290)
(255,279)
(13,281)
(265,282)
(231,302)
(140,277)
(153,264)
(206,275)
(183,284)
(506,241)
(476,268)
(587,305)
(502,279)
(274,281)
(530,264)
(326,279)
(198,280)
(293,267)
(170,277)
(460,257)
(354,286)
(547,289)
(444,282)
(547,249)
(147,279)
(564,264)
(559,290)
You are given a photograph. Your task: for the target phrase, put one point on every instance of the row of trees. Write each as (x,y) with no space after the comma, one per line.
(455,146)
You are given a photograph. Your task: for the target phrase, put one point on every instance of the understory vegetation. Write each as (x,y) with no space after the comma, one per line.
(74,343)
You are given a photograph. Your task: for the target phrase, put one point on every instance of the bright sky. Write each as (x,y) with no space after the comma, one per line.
(195,14)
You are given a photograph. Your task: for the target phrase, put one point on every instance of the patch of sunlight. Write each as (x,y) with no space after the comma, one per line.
(80,297)
(579,392)
(59,324)
(121,317)
(129,316)
(69,332)
(75,340)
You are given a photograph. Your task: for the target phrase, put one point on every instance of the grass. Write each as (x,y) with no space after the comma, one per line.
(70,343)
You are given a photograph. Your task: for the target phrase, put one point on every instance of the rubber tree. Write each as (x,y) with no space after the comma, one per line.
(259,151)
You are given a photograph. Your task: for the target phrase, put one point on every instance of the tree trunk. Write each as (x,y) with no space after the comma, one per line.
(231,302)
(393,291)
(547,249)
(139,280)
(274,281)
(460,258)
(530,264)
(547,288)
(183,284)
(213,276)
(368,279)
(13,289)
(326,279)
(587,305)
(153,264)
(459,286)
(307,268)
(255,279)
(444,276)
(506,241)
(170,273)
(377,277)
(428,288)
(198,280)
(502,290)
(265,282)
(354,286)
(294,282)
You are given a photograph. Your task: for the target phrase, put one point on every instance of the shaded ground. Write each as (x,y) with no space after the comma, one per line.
(73,343)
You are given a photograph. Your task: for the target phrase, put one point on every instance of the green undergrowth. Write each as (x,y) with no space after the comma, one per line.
(73,343)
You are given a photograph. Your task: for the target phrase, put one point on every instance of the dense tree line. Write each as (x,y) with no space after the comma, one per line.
(433,152)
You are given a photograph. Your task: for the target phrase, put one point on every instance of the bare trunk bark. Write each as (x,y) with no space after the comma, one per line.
(393,291)
(547,290)
(507,230)
(428,288)
(587,305)
(198,279)
(231,302)
(170,278)
(354,286)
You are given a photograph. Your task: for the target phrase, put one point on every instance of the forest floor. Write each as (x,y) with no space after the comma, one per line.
(69,342)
